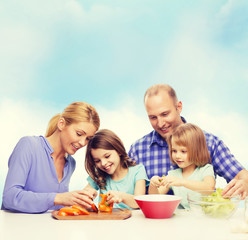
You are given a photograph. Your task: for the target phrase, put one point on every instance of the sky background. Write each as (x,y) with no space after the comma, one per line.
(107,53)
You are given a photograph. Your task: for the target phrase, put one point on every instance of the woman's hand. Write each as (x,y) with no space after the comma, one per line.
(80,197)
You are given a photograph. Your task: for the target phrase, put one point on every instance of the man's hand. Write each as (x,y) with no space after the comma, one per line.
(237,186)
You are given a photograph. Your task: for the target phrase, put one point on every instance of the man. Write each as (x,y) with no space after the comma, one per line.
(164,109)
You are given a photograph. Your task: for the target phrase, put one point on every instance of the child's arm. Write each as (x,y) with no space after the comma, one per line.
(208,183)
(128,199)
(158,185)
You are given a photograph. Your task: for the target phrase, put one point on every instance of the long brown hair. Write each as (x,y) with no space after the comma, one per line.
(75,112)
(193,138)
(108,140)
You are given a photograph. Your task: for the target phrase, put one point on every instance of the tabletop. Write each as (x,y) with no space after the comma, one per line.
(182,225)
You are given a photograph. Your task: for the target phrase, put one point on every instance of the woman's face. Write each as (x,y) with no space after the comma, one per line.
(106,160)
(75,136)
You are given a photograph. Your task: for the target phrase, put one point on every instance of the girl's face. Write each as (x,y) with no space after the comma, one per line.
(106,160)
(180,155)
(75,136)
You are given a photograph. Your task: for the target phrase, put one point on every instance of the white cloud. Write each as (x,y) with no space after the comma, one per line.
(97,14)
(21,48)
(28,38)
(125,123)
(188,56)
(196,52)
(227,8)
(20,119)
(230,7)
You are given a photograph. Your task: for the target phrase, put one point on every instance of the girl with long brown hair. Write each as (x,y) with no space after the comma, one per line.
(112,172)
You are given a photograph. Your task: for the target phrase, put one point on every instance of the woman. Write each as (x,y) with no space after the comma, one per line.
(40,168)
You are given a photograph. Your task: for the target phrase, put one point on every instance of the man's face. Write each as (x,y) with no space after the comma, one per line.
(163,113)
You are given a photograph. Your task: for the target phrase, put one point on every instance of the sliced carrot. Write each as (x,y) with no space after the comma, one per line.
(82,210)
(94,208)
(68,211)
(62,213)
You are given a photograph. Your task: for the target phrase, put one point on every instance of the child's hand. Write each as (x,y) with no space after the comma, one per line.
(173,181)
(114,197)
(157,181)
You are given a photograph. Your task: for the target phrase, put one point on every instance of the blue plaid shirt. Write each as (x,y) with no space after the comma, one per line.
(153,152)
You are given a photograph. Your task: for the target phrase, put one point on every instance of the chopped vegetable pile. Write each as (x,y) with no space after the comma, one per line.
(222,209)
(73,211)
(76,210)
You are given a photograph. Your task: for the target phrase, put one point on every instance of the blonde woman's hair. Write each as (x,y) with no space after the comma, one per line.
(74,113)
(193,138)
(157,88)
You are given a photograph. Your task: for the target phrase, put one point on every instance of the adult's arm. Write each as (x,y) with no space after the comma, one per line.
(15,197)
(18,197)
(224,163)
(132,154)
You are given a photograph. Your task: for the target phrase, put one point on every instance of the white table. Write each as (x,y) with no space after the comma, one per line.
(182,225)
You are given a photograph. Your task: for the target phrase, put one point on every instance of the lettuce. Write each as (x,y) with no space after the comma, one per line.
(217,206)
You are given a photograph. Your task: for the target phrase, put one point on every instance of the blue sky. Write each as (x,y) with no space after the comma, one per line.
(108,53)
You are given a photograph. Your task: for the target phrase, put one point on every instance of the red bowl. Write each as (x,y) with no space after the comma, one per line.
(157,206)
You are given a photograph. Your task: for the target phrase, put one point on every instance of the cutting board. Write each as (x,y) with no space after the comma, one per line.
(117,214)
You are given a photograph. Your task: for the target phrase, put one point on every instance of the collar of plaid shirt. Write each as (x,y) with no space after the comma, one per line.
(156,138)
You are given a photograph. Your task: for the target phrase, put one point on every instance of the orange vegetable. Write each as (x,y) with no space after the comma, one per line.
(68,211)
(62,213)
(93,206)
(73,211)
(103,206)
(82,210)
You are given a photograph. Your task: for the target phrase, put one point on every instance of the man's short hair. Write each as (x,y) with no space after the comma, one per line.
(157,88)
